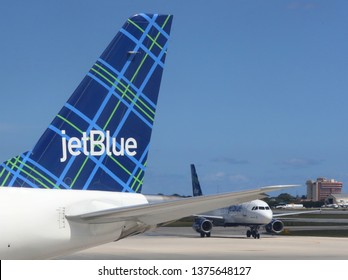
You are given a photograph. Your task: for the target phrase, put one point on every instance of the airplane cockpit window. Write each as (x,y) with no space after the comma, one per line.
(260,208)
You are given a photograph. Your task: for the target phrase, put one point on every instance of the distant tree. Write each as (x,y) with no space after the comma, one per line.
(313,204)
(286,198)
(271,201)
(283,198)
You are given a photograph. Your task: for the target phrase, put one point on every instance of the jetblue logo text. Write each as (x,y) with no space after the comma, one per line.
(97,144)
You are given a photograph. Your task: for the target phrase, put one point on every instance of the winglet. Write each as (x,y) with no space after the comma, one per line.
(277,188)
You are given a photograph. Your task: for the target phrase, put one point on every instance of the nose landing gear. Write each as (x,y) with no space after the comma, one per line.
(254,232)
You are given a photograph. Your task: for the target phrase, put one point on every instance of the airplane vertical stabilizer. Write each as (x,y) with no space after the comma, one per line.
(100,138)
(196,187)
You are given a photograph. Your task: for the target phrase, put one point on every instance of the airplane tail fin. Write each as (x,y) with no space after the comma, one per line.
(196,187)
(100,138)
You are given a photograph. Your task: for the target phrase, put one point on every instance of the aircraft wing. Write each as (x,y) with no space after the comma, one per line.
(156,213)
(213,218)
(296,213)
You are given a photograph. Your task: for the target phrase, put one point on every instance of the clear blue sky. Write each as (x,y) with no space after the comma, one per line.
(253,92)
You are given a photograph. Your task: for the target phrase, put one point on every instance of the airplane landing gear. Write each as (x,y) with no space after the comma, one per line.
(203,234)
(254,232)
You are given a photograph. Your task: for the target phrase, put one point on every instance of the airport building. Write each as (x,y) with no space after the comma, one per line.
(321,188)
(337,200)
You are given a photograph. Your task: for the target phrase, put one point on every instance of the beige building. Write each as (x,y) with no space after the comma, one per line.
(321,188)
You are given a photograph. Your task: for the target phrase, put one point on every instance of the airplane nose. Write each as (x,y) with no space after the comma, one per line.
(266,216)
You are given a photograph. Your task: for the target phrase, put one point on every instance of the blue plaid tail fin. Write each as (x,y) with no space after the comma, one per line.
(100,138)
(196,186)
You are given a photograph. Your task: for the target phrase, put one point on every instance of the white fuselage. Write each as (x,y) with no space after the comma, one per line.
(255,212)
(33,223)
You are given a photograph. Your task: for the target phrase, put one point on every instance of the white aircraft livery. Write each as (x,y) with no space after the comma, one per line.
(80,186)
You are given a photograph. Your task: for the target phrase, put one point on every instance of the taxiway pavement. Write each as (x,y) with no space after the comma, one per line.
(179,243)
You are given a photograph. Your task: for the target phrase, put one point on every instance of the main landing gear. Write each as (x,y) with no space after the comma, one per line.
(254,232)
(207,234)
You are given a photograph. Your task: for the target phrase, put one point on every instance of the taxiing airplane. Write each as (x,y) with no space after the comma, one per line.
(252,214)
(80,185)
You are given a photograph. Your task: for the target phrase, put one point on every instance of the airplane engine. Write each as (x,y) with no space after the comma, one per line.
(275,226)
(203,226)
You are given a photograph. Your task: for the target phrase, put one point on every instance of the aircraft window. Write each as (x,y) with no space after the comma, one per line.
(267,208)
(261,207)
(256,207)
